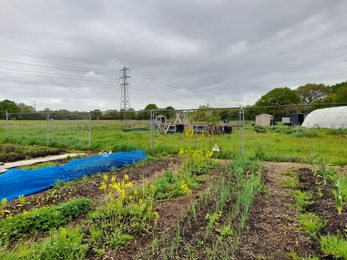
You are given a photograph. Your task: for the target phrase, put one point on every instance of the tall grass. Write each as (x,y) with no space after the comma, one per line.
(279,143)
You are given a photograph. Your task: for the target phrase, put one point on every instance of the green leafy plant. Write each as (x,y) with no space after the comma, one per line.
(225,231)
(311,159)
(311,223)
(290,182)
(21,199)
(324,172)
(334,245)
(338,197)
(42,219)
(213,218)
(3,205)
(294,256)
(64,243)
(119,239)
(302,199)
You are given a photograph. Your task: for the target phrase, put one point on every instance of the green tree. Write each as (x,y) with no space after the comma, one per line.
(312,92)
(276,98)
(130,114)
(96,114)
(151,107)
(169,112)
(341,95)
(10,106)
(279,97)
(335,88)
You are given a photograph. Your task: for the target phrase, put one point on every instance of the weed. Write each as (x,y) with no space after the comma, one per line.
(334,245)
(3,205)
(302,199)
(290,182)
(119,239)
(155,245)
(260,153)
(311,223)
(225,231)
(213,218)
(287,173)
(294,256)
(21,199)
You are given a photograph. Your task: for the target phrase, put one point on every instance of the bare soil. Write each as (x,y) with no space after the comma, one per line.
(271,230)
(11,153)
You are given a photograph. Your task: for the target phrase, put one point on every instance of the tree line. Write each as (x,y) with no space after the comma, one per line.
(277,102)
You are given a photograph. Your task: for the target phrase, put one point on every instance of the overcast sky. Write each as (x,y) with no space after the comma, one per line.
(67,54)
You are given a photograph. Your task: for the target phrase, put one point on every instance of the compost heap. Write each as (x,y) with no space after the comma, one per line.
(14,182)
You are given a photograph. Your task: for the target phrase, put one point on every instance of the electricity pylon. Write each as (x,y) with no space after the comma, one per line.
(124,100)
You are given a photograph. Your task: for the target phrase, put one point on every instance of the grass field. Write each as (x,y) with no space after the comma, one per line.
(275,143)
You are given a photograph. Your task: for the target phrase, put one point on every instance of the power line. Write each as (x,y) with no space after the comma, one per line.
(63,67)
(61,57)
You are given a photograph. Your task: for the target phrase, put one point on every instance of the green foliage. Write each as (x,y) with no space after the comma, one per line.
(302,199)
(312,92)
(225,231)
(338,197)
(195,161)
(294,256)
(151,107)
(172,185)
(311,159)
(10,106)
(3,205)
(42,219)
(311,223)
(213,218)
(279,97)
(334,245)
(65,243)
(324,172)
(260,153)
(119,239)
(21,199)
(290,182)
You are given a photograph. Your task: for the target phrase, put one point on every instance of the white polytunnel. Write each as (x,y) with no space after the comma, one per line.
(333,118)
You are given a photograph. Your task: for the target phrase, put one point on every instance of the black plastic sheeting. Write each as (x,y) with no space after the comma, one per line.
(14,182)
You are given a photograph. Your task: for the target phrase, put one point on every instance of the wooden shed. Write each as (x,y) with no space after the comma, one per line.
(264,120)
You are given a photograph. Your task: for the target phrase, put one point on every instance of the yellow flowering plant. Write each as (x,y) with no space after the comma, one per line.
(196,161)
(128,207)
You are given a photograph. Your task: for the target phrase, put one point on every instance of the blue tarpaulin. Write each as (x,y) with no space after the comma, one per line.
(14,182)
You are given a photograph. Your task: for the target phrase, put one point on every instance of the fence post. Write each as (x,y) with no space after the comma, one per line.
(241,131)
(47,136)
(152,129)
(90,129)
(6,124)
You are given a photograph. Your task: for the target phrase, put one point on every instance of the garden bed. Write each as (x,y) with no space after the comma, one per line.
(11,153)
(271,231)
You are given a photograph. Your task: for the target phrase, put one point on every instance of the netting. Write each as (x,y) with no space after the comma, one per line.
(14,182)
(334,118)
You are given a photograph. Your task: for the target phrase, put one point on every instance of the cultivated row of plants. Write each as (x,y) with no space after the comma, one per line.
(330,184)
(127,211)
(206,234)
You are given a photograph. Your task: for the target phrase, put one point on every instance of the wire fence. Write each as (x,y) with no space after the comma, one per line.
(78,129)
(49,127)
